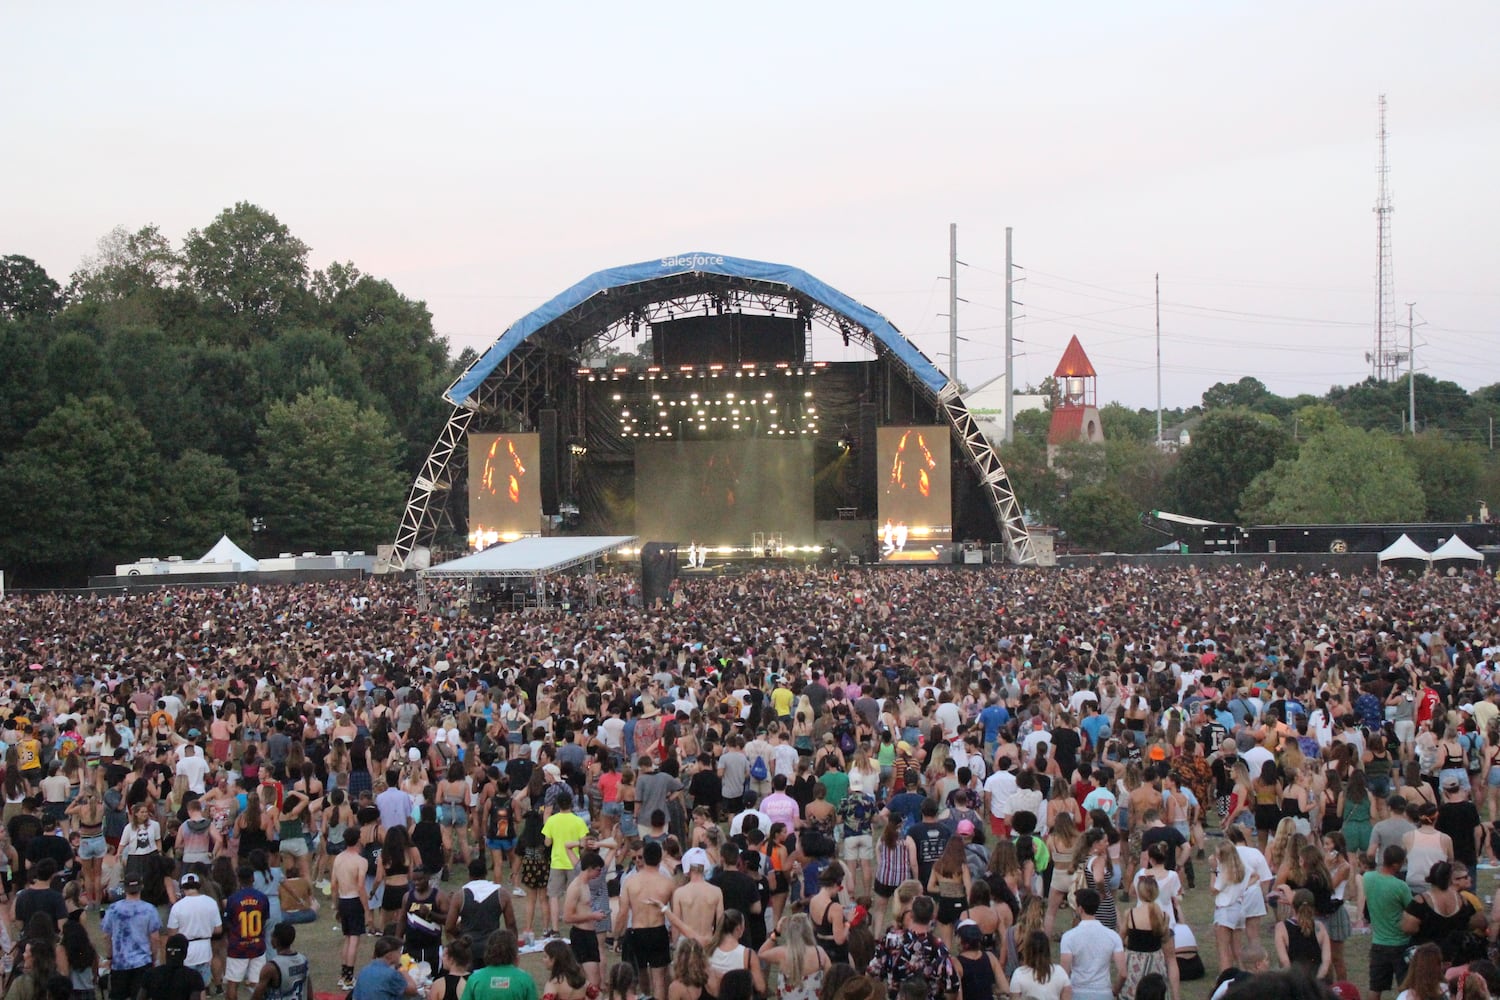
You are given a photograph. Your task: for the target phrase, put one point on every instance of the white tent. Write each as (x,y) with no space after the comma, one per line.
(1405,548)
(1457,548)
(226,551)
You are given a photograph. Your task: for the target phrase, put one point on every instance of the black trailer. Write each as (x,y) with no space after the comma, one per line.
(1195,534)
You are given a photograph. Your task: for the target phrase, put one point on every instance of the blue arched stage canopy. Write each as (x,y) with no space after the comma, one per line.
(584,312)
(603,282)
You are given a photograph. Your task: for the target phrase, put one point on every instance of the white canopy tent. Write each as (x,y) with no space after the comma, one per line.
(1457,548)
(1404,548)
(225,550)
(529,557)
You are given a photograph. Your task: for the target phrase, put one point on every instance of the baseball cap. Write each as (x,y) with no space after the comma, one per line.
(1467,706)
(190,881)
(696,858)
(177,946)
(904,747)
(193,734)
(1156,753)
(133,883)
(965,828)
(1451,784)
(968,930)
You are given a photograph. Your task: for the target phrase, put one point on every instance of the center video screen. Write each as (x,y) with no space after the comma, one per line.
(505,490)
(722,492)
(916,493)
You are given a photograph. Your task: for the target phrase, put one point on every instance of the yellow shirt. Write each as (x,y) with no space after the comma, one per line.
(781,701)
(562,829)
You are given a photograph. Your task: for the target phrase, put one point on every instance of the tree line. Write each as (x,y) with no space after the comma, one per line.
(173,392)
(1253,457)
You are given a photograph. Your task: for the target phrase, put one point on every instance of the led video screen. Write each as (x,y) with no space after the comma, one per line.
(723,492)
(915,520)
(505,492)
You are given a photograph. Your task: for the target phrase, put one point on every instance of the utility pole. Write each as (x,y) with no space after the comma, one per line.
(1158,359)
(1010,353)
(1411,369)
(953,301)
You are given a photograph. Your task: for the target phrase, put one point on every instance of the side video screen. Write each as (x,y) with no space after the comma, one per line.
(505,492)
(915,522)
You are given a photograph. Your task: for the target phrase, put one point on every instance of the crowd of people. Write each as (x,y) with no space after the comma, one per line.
(817,782)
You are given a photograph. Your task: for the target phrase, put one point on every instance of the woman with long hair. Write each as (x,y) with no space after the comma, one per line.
(795,952)
(1230,884)
(779,862)
(1097,874)
(1033,914)
(398,856)
(37,967)
(1302,942)
(1099,820)
(1037,978)
(1168,882)
(536,866)
(1265,790)
(993,921)
(1354,812)
(864,772)
(730,954)
(140,843)
(565,977)
(1424,975)
(949,883)
(87,811)
(1149,944)
(689,970)
(895,862)
(83,960)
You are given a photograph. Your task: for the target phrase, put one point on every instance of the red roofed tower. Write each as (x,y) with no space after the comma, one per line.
(1075,410)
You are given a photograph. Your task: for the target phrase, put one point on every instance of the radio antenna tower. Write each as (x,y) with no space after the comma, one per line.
(1385,360)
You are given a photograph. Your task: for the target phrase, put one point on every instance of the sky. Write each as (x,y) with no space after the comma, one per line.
(483,157)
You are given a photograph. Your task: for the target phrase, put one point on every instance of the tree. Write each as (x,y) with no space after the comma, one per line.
(1249,393)
(127,264)
(1122,423)
(248,263)
(1343,476)
(1449,472)
(1230,448)
(201,501)
(1032,424)
(155,380)
(327,476)
(26,289)
(401,358)
(1100,516)
(82,489)
(1310,421)
(75,364)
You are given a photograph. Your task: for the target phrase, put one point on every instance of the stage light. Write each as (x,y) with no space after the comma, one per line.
(655,397)
(617,397)
(807,394)
(591,378)
(703,427)
(812,409)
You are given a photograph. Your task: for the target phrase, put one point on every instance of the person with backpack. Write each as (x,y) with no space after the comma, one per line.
(500,825)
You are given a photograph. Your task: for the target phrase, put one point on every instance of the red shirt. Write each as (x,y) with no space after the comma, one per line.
(1426,705)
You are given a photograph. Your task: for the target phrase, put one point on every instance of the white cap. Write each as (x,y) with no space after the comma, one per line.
(697,858)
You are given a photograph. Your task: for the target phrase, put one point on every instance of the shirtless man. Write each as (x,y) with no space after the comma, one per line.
(643,910)
(583,919)
(697,906)
(1141,800)
(348,888)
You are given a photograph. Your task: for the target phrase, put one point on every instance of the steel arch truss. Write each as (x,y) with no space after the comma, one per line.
(528,377)
(509,397)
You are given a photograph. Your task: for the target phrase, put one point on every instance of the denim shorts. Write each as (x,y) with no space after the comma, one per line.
(90,848)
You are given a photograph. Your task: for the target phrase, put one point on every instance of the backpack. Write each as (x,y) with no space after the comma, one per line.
(1472,750)
(758,771)
(501,820)
(846,738)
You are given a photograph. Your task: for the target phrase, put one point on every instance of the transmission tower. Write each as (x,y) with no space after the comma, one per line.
(1387,358)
